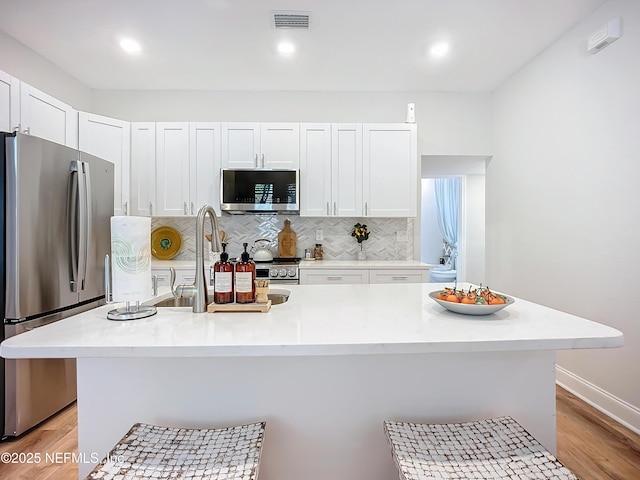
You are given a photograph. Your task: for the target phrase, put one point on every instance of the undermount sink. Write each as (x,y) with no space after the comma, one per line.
(277,297)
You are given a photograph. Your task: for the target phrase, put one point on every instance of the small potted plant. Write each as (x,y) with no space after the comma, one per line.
(361,233)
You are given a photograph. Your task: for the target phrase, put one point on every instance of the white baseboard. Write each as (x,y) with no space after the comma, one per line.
(613,407)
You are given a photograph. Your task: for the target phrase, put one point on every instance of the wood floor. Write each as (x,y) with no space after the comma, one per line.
(589,443)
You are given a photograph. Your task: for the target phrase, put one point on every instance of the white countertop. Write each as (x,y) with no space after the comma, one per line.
(366,264)
(331,264)
(317,320)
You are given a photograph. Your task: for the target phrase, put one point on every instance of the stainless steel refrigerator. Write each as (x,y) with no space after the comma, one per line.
(56,208)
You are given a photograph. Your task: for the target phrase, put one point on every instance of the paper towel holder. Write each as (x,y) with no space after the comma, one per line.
(133,256)
(132,313)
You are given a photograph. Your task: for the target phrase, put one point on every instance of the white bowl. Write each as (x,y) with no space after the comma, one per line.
(469,308)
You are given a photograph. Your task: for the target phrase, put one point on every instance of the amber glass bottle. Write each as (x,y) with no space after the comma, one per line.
(223,278)
(245,278)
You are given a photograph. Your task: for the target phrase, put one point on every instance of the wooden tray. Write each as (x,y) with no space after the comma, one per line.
(239,307)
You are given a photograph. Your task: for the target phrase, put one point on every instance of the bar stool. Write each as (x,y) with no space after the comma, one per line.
(155,452)
(497,448)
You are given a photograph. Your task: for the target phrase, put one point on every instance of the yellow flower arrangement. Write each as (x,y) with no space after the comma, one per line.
(360,232)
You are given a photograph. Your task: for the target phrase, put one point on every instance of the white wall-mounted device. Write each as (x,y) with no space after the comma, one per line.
(411,113)
(605,35)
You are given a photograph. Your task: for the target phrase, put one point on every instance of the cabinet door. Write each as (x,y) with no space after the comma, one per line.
(346,168)
(108,138)
(390,170)
(163,275)
(315,169)
(314,276)
(240,145)
(9,103)
(47,117)
(398,276)
(143,169)
(172,169)
(205,162)
(280,145)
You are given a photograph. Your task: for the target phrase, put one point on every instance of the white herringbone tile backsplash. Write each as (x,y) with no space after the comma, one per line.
(338,244)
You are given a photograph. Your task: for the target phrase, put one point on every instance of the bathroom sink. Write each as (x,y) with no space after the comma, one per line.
(277,297)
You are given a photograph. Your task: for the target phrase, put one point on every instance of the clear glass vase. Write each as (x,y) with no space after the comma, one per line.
(361,254)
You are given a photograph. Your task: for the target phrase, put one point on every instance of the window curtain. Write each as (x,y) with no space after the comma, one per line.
(448,205)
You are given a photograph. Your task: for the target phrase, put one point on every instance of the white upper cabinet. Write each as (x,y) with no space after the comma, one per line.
(261,145)
(240,145)
(346,168)
(205,162)
(175,167)
(331,170)
(109,138)
(315,169)
(280,145)
(390,170)
(9,102)
(47,117)
(172,169)
(143,168)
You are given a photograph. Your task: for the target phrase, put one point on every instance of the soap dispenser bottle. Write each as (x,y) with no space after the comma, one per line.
(245,278)
(223,278)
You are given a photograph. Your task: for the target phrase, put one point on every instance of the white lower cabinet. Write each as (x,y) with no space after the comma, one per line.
(333,277)
(329,276)
(398,276)
(183,275)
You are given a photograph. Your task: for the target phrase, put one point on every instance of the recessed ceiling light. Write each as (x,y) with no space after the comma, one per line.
(286,48)
(439,49)
(130,46)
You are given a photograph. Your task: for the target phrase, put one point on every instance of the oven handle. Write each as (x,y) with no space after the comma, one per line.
(274,282)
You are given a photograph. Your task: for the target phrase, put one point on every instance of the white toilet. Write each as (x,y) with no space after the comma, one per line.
(442,276)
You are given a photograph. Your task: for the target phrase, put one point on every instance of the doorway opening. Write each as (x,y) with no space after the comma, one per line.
(470,170)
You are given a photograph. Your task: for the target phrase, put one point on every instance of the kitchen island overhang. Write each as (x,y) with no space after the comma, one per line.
(323,369)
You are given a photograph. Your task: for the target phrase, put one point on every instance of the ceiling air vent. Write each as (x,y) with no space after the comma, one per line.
(291,20)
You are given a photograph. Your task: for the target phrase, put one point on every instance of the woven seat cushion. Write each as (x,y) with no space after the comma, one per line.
(154,452)
(497,448)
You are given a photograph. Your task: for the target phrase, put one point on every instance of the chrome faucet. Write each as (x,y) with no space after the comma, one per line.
(201,299)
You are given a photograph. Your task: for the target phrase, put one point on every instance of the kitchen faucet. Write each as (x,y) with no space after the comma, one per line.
(200,300)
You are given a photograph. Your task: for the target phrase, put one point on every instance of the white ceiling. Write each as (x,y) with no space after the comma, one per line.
(362,45)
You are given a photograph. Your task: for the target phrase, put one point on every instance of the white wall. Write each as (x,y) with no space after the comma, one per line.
(563,207)
(448,123)
(23,63)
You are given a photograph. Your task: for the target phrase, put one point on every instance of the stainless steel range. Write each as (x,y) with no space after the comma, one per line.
(280,271)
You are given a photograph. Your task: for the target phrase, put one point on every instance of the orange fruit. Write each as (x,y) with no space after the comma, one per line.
(453,298)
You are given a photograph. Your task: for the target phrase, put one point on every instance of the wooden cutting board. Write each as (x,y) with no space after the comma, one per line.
(287,241)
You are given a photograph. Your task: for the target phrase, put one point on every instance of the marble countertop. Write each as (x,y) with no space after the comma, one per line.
(317,320)
(367,264)
(331,264)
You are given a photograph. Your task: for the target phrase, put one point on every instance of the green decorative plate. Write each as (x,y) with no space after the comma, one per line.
(165,243)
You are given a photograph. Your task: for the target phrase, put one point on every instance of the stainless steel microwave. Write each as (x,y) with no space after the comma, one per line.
(259,191)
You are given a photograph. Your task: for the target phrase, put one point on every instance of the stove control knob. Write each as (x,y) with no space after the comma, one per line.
(273,272)
(282,272)
(291,272)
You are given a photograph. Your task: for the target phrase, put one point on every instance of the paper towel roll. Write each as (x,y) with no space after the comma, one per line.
(131,258)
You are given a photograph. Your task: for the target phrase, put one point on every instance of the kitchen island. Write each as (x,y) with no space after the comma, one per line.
(323,370)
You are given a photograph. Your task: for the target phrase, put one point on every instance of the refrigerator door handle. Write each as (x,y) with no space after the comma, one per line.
(86,224)
(72,216)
